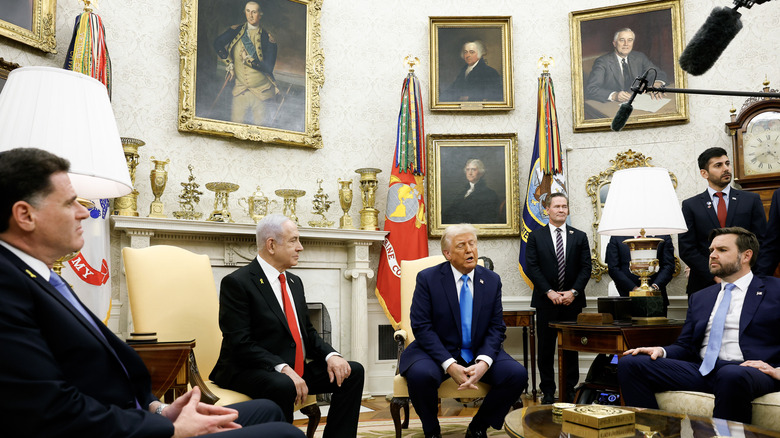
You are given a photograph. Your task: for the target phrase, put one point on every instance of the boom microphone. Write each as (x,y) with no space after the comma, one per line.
(711,40)
(624,112)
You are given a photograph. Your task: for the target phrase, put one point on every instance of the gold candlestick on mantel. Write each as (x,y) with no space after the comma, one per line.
(345,200)
(369,216)
(128,205)
(221,193)
(290,197)
(158,177)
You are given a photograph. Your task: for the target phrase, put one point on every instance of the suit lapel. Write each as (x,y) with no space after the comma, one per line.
(731,212)
(709,209)
(753,297)
(569,245)
(450,292)
(266,291)
(617,72)
(478,302)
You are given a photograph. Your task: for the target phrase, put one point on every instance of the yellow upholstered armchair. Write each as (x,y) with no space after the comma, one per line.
(172,292)
(404,337)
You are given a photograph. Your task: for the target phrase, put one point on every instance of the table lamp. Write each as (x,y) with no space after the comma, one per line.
(642,201)
(68,114)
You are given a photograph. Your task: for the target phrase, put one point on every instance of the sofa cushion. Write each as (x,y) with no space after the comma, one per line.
(766,409)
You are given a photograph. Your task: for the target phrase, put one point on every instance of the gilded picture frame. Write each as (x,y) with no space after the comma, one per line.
(597,188)
(263,86)
(488,84)
(5,69)
(656,29)
(32,23)
(492,205)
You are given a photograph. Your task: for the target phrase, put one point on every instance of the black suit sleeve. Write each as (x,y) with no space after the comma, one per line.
(666,262)
(534,271)
(690,247)
(758,223)
(585,264)
(769,255)
(615,266)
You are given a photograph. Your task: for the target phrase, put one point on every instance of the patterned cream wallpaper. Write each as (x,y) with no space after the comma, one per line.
(365,43)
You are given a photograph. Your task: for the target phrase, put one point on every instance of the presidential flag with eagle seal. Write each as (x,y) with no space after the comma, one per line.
(407,237)
(547,174)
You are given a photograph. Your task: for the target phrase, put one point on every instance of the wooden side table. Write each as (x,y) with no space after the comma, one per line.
(526,320)
(610,339)
(168,364)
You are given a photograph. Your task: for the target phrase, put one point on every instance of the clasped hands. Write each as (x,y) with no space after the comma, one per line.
(190,417)
(467,377)
(565,298)
(338,370)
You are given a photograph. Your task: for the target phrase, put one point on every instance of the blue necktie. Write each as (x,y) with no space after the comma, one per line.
(716,332)
(466,306)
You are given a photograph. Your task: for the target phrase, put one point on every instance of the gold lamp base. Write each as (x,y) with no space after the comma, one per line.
(647,303)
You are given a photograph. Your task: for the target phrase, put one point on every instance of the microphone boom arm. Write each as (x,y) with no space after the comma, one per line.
(710,92)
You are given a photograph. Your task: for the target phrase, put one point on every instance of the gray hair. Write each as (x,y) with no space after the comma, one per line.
(454,230)
(480,48)
(478,163)
(625,29)
(270,227)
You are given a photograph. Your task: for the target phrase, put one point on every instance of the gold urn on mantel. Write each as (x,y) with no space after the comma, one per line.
(369,216)
(257,205)
(158,178)
(127,205)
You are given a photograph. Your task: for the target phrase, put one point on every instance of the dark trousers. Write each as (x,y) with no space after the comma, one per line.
(734,386)
(260,418)
(345,403)
(547,340)
(507,379)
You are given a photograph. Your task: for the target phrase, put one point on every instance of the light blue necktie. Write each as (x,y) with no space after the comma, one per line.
(716,332)
(466,306)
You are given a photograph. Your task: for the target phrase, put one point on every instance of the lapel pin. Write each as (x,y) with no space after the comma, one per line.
(733,198)
(261,281)
(481,281)
(290,280)
(759,292)
(709,204)
(571,232)
(30,273)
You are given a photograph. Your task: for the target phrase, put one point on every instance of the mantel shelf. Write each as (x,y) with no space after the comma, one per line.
(180,226)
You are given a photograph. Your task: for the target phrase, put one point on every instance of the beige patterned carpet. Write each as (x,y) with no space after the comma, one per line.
(452,427)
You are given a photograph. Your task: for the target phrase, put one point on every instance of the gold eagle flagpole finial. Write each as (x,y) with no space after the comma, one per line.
(545,63)
(411,61)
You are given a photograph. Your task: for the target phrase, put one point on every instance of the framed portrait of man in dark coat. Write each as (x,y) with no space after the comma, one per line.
(473,178)
(611,48)
(471,63)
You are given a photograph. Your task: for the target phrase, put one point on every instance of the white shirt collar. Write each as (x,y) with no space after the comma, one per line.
(270,272)
(457,274)
(252,26)
(471,67)
(38,266)
(726,190)
(743,282)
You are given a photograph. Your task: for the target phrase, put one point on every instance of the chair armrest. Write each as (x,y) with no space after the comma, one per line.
(400,337)
(193,375)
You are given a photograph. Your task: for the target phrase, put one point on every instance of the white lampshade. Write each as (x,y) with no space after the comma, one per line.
(68,114)
(641,198)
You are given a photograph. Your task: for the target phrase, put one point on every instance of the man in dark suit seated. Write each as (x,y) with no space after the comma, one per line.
(267,334)
(612,74)
(719,206)
(458,325)
(729,328)
(770,249)
(65,374)
(559,265)
(618,258)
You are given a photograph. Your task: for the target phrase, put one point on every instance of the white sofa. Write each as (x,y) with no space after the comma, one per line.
(766,409)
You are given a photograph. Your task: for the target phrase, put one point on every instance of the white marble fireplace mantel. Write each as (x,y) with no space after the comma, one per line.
(334,266)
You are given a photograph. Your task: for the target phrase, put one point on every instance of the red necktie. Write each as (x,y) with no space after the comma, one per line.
(293,324)
(721,209)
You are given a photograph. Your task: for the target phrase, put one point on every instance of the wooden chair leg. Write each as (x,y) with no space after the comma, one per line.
(313,412)
(395,411)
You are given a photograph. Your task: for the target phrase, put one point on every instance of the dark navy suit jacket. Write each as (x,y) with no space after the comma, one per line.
(606,76)
(435,317)
(770,249)
(543,266)
(758,324)
(745,210)
(59,376)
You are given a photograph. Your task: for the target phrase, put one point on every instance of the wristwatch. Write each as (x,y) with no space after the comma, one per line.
(574,292)
(160,408)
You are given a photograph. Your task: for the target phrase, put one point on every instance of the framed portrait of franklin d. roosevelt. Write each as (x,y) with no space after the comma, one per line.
(611,47)
(473,178)
(471,63)
(252,70)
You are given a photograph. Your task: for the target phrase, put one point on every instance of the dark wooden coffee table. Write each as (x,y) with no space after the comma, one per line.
(539,422)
